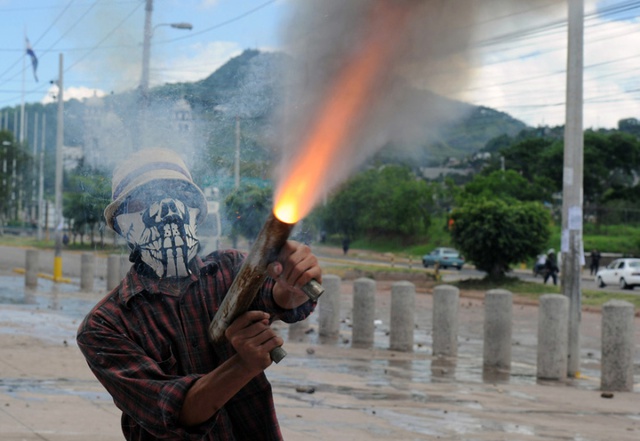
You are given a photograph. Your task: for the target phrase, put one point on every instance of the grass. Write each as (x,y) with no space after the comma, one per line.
(621,239)
(374,271)
(530,290)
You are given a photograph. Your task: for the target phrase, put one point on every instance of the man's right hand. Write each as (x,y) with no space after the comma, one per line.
(253,339)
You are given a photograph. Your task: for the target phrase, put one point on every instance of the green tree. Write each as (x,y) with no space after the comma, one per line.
(89,192)
(15,178)
(247,208)
(6,143)
(506,184)
(526,156)
(495,234)
(611,161)
(385,202)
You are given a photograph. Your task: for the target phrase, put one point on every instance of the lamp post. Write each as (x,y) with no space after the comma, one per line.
(57,259)
(5,193)
(146,58)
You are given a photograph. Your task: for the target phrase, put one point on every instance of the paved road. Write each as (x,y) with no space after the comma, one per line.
(47,393)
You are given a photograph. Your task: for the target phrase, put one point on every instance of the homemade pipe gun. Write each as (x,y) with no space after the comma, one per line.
(251,276)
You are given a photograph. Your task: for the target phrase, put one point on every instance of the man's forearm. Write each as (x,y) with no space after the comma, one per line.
(286,300)
(211,392)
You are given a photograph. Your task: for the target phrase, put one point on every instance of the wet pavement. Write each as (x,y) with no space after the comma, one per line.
(324,388)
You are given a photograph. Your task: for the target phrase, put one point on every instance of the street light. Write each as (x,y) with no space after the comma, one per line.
(146,57)
(181,25)
(146,48)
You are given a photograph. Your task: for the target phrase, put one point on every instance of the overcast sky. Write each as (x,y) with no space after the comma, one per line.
(518,65)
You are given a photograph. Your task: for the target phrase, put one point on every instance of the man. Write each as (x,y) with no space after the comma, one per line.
(147,340)
(551,267)
(595,262)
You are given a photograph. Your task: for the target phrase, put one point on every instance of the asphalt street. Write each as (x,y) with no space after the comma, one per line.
(324,388)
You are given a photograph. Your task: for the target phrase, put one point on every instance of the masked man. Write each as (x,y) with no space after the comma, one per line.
(147,340)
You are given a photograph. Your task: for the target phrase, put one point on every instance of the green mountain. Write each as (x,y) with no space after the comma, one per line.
(248,88)
(249,85)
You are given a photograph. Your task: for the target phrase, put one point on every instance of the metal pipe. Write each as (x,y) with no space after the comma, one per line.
(251,276)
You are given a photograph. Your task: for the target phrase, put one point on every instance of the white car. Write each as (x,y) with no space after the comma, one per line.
(622,272)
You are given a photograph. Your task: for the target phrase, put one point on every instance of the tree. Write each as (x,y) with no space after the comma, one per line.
(525,156)
(385,202)
(507,184)
(248,207)
(89,193)
(15,178)
(611,161)
(495,234)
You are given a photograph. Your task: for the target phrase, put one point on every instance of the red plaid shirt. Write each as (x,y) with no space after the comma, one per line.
(147,342)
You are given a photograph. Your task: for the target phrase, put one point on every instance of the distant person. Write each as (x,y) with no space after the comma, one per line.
(551,267)
(345,245)
(595,261)
(538,268)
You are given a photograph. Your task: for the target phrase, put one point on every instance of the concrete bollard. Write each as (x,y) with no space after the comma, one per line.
(498,306)
(87,271)
(553,328)
(617,346)
(364,311)
(403,300)
(113,271)
(329,307)
(298,330)
(445,320)
(31,269)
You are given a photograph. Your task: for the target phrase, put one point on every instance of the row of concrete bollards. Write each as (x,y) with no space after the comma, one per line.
(117,267)
(552,345)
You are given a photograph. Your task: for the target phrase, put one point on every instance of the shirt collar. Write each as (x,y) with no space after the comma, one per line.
(134,283)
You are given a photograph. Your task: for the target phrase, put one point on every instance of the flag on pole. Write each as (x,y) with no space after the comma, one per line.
(34,59)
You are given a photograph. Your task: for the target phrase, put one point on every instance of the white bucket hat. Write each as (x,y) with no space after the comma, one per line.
(145,166)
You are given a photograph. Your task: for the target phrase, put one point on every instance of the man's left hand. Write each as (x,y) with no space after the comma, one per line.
(294,267)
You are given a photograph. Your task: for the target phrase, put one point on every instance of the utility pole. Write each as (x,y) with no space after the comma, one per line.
(143,99)
(24,69)
(57,260)
(237,161)
(41,179)
(572,178)
(146,48)
(34,208)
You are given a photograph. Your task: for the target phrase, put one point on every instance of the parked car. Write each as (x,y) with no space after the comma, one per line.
(445,257)
(622,272)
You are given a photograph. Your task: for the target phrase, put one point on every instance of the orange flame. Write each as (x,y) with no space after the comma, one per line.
(347,100)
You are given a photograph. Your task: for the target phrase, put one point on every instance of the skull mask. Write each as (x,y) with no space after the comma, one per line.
(160,226)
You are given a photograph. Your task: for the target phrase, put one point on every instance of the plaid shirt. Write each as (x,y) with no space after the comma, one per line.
(147,342)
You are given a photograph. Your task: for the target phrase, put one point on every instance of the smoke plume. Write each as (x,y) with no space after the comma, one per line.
(428,45)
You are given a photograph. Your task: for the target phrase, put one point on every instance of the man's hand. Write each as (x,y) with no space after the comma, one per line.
(294,267)
(253,339)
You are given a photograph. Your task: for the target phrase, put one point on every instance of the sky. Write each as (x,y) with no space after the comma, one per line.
(517,63)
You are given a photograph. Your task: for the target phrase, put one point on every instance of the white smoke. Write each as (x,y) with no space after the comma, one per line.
(438,53)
